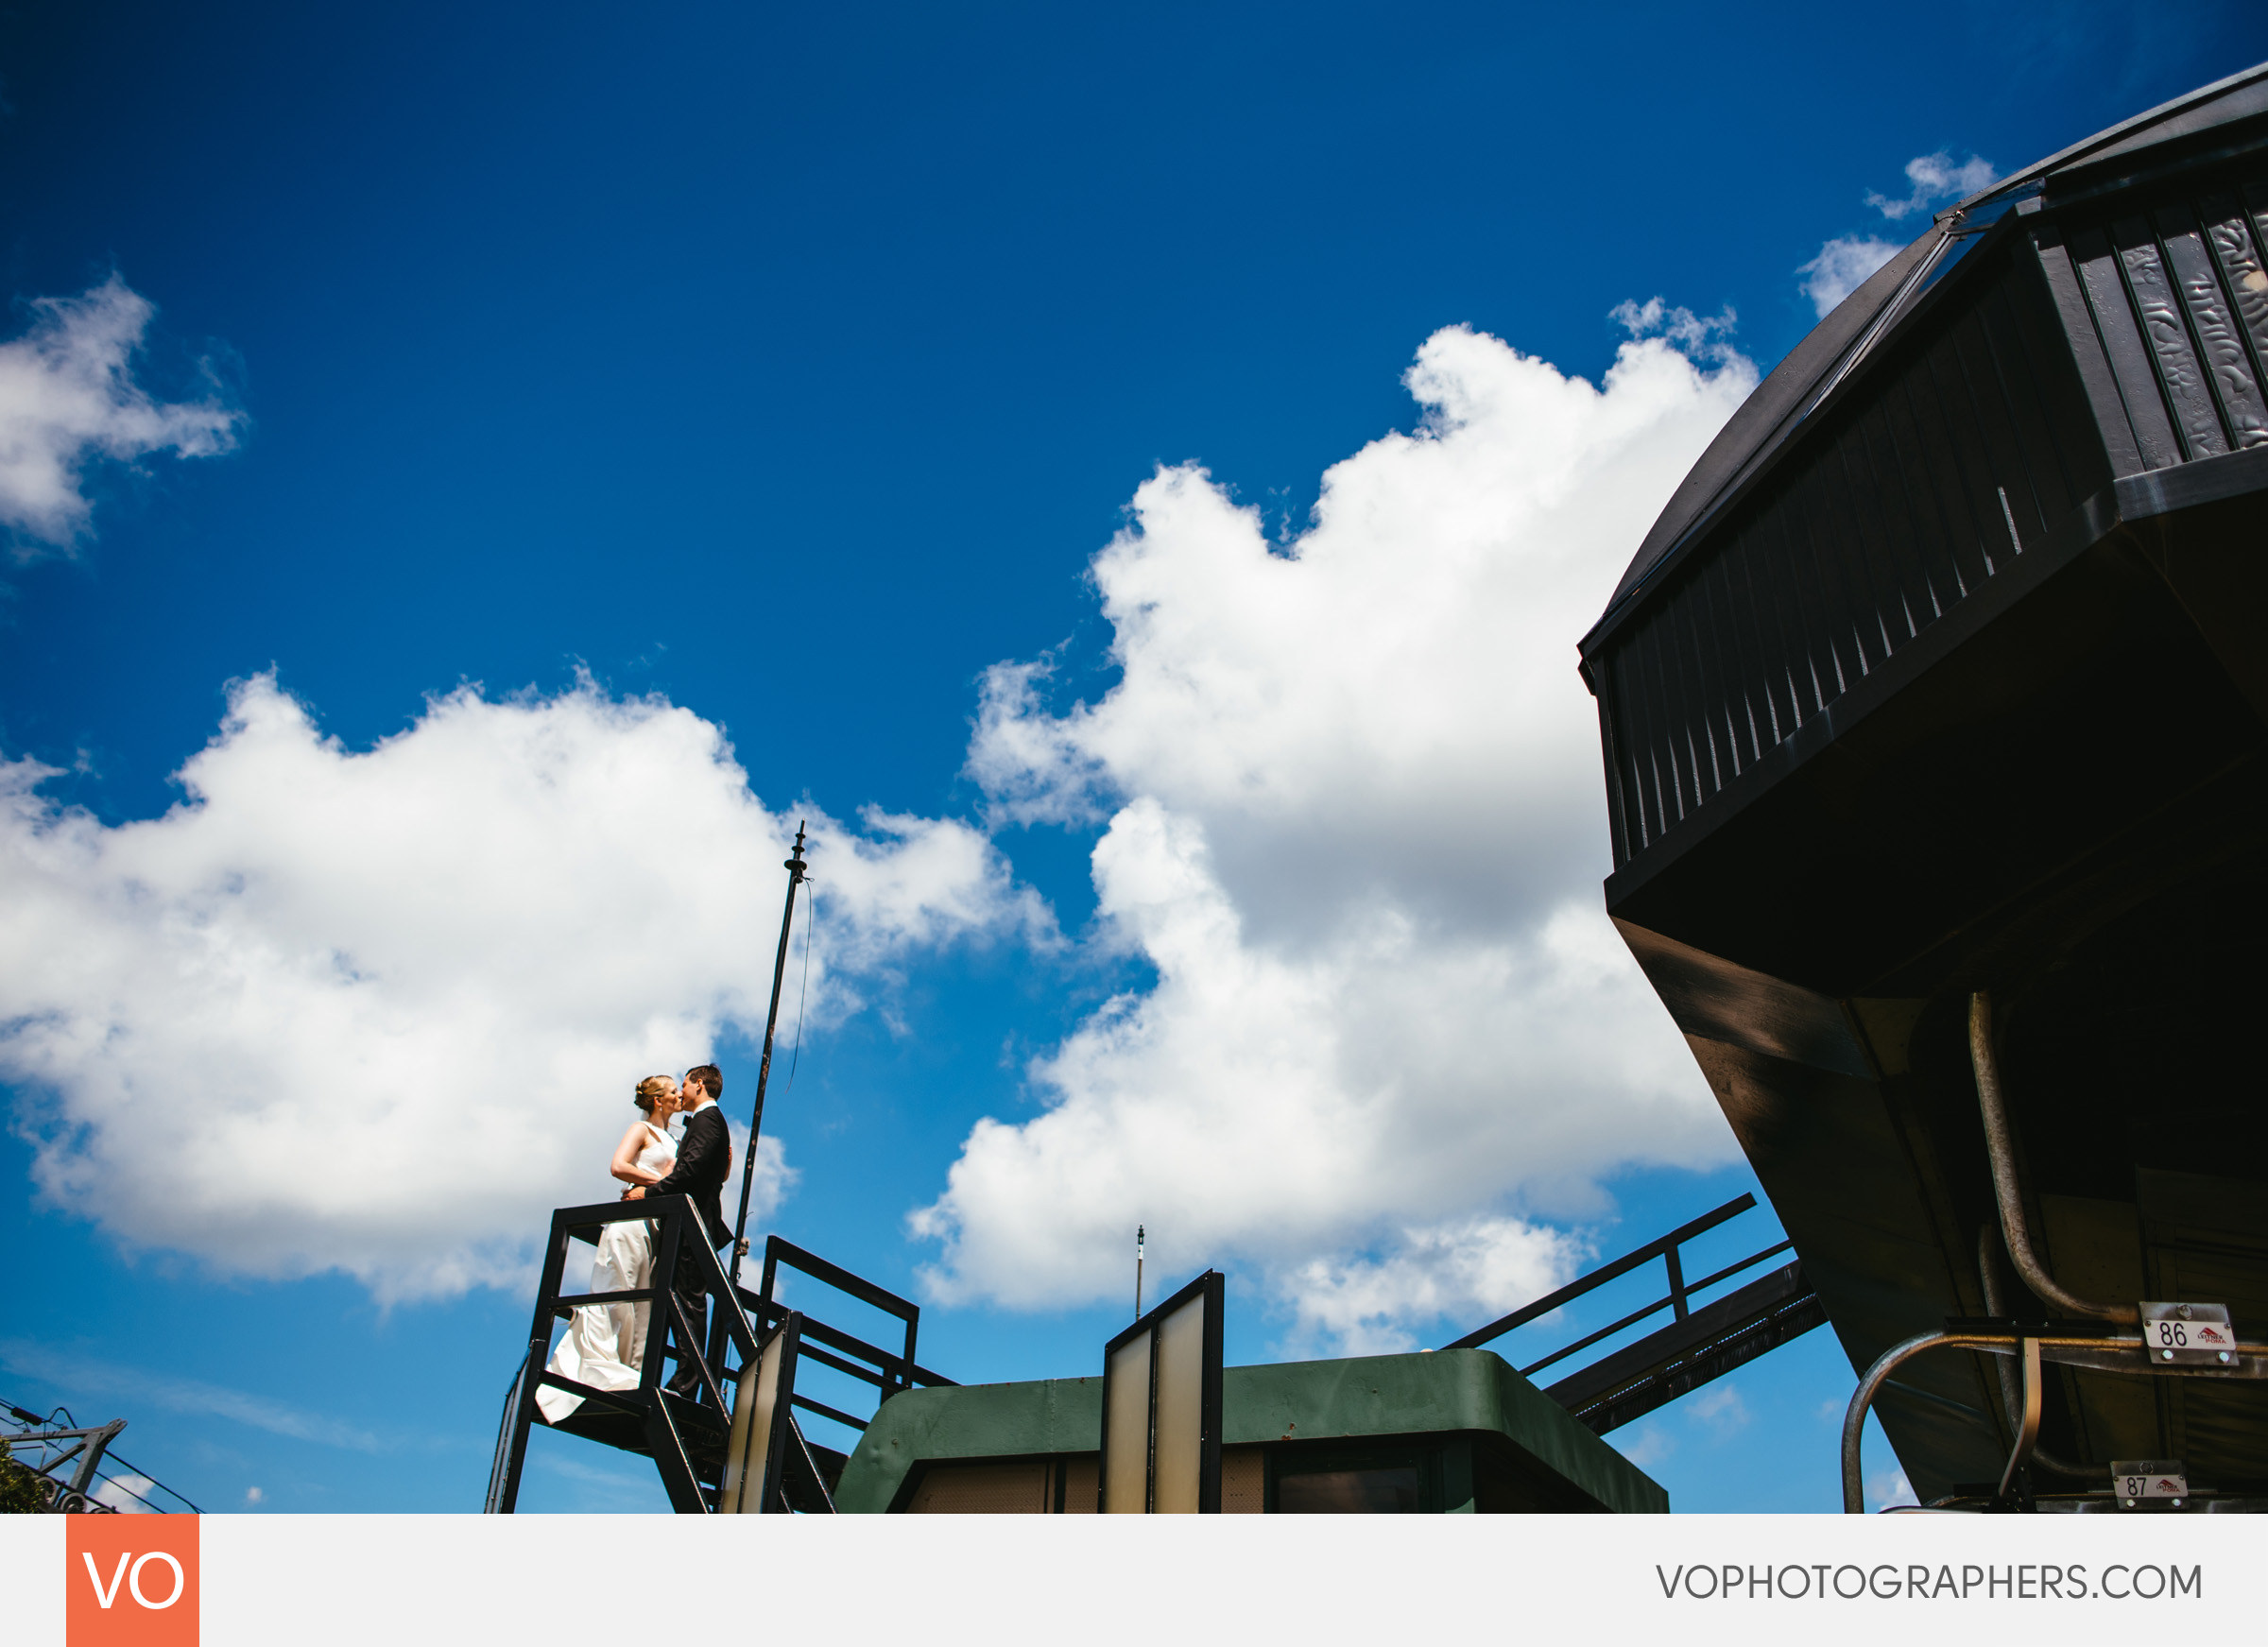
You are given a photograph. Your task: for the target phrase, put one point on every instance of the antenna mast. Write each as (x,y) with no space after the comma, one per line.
(795,868)
(1139,1234)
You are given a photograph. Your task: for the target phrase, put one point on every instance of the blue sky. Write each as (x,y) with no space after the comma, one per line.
(537,400)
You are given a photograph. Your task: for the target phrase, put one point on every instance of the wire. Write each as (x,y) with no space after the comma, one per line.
(811,927)
(129,1464)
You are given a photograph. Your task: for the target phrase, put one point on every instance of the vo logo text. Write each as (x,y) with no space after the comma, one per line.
(129,1580)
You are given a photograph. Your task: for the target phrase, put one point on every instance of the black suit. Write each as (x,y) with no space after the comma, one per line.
(704,1161)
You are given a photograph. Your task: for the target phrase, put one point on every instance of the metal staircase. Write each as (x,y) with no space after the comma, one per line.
(744,1359)
(1699,1344)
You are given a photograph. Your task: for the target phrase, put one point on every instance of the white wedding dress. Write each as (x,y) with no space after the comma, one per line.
(605,1346)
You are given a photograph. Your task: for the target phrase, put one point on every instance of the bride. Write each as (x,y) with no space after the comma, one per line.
(604,1346)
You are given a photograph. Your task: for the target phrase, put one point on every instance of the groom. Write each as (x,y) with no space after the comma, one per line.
(704,1161)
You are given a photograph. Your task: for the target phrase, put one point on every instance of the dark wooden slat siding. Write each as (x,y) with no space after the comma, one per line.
(2123,341)
(1711,642)
(1673,640)
(1895,507)
(1732,630)
(1610,758)
(1988,337)
(1932,533)
(1860,499)
(2063,330)
(1773,674)
(1814,658)
(1661,768)
(1628,689)
(1849,497)
(2196,419)
(1629,749)
(1812,512)
(1965,463)
(1820,602)
(2003,464)
(1942,475)
(1622,704)
(1645,758)
(2027,361)
(1687,698)
(1708,650)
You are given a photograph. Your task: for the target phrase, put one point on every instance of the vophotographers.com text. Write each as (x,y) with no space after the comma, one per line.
(2023,1581)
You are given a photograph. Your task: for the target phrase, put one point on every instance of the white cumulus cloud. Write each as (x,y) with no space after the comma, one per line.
(126,1493)
(68,398)
(1842,267)
(1846,261)
(380,1011)
(1890,1490)
(1478,1268)
(1356,825)
(1933,178)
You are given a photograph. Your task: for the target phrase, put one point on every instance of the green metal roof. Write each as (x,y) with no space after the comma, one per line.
(1454,1390)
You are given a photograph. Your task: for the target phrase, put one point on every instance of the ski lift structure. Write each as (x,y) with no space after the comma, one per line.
(1934,718)
(68,1460)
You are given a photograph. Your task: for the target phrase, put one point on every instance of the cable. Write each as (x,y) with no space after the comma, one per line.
(811,927)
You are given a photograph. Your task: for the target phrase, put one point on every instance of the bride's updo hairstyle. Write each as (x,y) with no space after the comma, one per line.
(653,1087)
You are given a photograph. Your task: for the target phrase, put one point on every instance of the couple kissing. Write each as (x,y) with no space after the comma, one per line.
(604,1346)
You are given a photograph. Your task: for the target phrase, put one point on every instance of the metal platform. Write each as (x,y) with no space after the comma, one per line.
(688,1437)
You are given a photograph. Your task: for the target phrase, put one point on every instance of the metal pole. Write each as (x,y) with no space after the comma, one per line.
(2027,1431)
(1139,1233)
(2011,1398)
(794,866)
(2001,1146)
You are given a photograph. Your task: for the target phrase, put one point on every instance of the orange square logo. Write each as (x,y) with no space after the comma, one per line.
(129,1580)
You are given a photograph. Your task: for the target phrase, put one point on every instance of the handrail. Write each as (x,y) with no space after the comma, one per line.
(1677,1300)
(842,1280)
(1605,1273)
(687,1335)
(1854,1419)
(575,1221)
(824,1410)
(514,1394)
(885,1359)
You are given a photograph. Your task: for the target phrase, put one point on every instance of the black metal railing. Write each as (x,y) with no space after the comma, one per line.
(1702,1342)
(887,1371)
(686,1434)
(659,1419)
(1679,1299)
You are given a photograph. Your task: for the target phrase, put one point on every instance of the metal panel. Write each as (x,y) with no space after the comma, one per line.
(2121,334)
(2212,316)
(2150,288)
